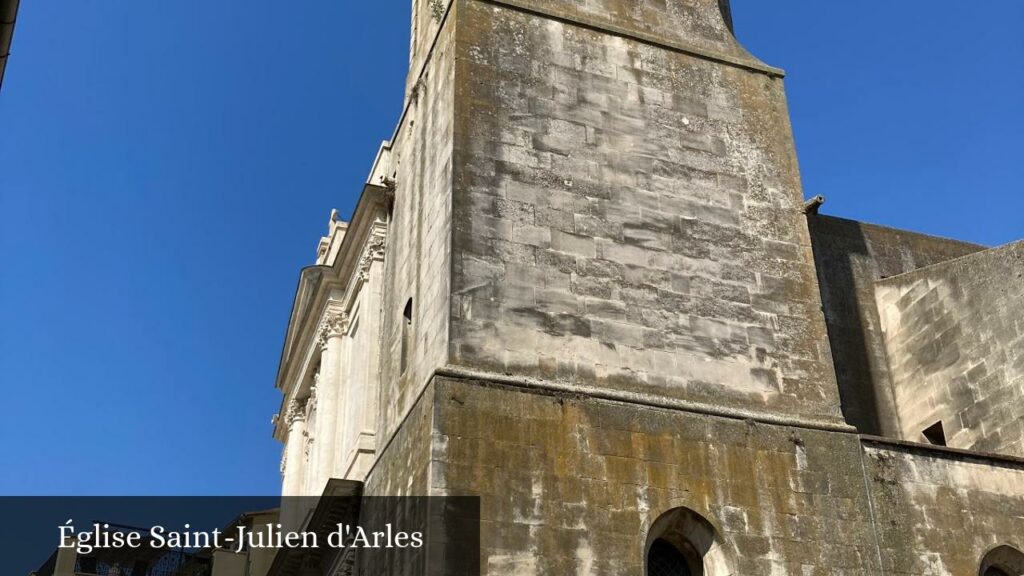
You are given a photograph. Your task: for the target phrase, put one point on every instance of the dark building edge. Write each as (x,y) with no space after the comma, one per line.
(8,14)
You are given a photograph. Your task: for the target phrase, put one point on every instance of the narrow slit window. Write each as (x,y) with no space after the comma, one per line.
(935,434)
(406,335)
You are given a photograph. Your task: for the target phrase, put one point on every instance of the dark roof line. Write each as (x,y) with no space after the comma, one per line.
(8,10)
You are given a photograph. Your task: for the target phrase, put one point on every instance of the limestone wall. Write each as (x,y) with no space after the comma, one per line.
(702,25)
(359,392)
(402,467)
(627,214)
(572,486)
(954,334)
(417,260)
(939,514)
(851,256)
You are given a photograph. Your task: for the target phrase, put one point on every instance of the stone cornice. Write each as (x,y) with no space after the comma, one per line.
(933,451)
(320,285)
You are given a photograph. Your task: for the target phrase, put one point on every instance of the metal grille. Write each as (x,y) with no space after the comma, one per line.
(665,559)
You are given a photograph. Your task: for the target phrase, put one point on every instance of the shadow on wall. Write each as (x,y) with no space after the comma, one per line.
(851,257)
(836,244)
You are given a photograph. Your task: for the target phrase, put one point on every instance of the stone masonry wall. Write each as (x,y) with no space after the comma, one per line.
(426,22)
(571,485)
(402,467)
(628,216)
(417,258)
(699,24)
(954,333)
(939,514)
(851,256)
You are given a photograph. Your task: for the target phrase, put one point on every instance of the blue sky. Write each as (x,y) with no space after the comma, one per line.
(166,168)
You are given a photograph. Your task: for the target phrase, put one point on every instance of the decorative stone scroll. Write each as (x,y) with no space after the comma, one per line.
(296,411)
(373,252)
(333,325)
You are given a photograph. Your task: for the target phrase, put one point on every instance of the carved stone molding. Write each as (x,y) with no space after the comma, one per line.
(372,252)
(296,411)
(333,325)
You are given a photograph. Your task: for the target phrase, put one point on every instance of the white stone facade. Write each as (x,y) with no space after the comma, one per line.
(329,370)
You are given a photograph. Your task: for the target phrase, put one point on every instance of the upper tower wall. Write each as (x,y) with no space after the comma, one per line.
(627,209)
(698,26)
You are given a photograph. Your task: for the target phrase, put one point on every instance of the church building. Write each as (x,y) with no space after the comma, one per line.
(582,283)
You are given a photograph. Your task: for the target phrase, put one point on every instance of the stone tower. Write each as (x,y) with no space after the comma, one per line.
(627,212)
(580,284)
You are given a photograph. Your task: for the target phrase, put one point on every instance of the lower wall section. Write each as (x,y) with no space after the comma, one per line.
(574,485)
(940,513)
(403,465)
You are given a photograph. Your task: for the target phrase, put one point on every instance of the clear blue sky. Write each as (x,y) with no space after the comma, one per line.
(166,168)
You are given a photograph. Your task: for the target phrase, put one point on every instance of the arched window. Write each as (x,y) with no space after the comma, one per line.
(1003,561)
(664,559)
(683,543)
